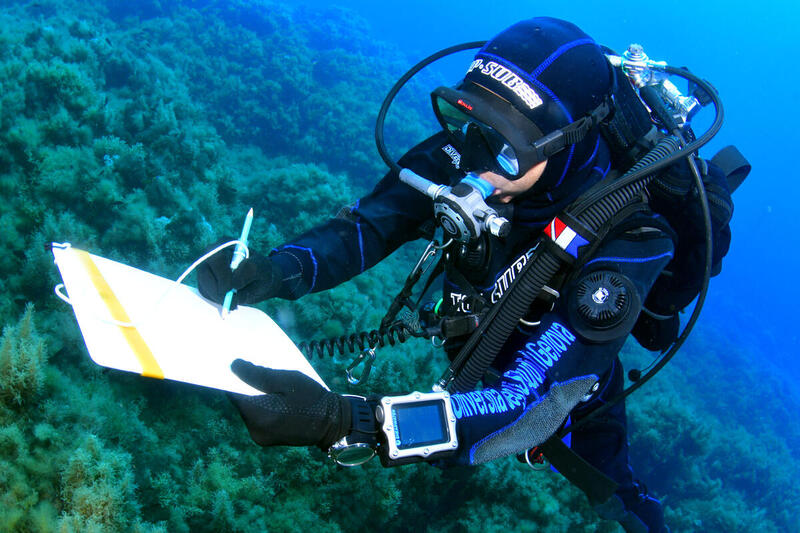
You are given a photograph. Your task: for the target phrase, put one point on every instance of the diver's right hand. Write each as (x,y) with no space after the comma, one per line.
(256,279)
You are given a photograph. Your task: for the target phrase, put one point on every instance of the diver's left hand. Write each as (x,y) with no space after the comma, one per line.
(294,410)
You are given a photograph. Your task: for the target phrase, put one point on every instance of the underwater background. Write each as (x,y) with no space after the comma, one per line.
(143,130)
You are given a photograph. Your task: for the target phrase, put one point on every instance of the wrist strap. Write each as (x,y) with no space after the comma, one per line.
(360,442)
(362,420)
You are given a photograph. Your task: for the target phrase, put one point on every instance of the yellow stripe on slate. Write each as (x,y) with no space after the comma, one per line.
(150,367)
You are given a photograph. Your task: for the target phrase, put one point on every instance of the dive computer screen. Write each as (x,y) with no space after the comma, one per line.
(420,424)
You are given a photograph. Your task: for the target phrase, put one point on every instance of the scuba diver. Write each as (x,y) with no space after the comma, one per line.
(525,135)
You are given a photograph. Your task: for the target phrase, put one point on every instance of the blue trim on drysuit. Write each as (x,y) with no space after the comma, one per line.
(669,254)
(559,51)
(591,157)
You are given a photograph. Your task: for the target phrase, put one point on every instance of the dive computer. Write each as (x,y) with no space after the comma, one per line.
(414,427)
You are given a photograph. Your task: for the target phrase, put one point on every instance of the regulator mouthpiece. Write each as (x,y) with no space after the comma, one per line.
(461,210)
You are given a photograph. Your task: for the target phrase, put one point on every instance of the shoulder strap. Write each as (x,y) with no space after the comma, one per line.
(736,168)
(610,226)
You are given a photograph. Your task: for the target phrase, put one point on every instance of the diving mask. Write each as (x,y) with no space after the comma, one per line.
(495,136)
(490,132)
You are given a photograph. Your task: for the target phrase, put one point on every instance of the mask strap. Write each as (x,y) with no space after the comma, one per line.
(574,133)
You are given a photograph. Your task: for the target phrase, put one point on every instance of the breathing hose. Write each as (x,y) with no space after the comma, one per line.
(595,215)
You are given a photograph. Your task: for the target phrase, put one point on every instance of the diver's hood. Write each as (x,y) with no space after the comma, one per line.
(554,74)
(572,172)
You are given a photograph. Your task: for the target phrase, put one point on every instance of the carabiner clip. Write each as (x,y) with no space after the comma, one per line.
(424,262)
(367,357)
(536,459)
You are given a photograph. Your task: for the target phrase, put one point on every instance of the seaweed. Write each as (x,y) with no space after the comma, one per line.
(22,360)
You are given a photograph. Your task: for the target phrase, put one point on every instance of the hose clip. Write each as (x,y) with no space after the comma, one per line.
(367,357)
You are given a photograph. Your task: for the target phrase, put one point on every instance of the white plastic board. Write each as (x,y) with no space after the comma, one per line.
(176,334)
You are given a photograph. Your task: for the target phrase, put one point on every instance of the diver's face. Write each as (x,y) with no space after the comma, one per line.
(506,190)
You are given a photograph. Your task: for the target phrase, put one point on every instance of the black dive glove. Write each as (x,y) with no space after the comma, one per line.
(294,411)
(256,279)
